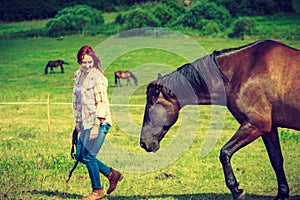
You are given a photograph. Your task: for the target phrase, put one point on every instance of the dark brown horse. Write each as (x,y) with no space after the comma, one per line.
(124,75)
(260,85)
(55,63)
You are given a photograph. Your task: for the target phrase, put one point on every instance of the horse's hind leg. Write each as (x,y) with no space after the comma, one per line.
(244,136)
(272,144)
(62,69)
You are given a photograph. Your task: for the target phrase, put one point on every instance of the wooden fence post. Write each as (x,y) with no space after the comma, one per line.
(48,112)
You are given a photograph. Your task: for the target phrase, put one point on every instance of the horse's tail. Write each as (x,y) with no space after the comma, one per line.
(62,62)
(133,77)
(116,79)
(46,68)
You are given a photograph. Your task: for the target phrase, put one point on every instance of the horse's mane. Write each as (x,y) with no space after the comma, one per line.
(183,78)
(193,80)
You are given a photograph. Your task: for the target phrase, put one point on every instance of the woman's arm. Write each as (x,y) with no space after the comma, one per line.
(102,103)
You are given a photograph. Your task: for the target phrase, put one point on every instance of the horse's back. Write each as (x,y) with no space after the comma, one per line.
(122,74)
(285,62)
(267,86)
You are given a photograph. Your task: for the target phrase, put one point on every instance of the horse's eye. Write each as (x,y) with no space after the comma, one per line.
(157,92)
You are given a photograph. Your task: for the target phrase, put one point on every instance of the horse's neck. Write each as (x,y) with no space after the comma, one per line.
(199,82)
(132,76)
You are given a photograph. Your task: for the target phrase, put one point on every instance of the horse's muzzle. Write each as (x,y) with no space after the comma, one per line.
(149,144)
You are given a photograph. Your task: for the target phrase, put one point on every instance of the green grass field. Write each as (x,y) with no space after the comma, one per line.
(34,163)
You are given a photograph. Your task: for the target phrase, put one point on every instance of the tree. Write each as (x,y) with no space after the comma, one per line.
(204,10)
(76,19)
(164,13)
(139,18)
(243,26)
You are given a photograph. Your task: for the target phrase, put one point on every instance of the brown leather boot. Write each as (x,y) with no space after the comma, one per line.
(114,177)
(95,195)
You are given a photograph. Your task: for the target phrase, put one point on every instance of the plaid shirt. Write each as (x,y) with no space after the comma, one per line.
(94,99)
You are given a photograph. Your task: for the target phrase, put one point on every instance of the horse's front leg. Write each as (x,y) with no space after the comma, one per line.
(272,144)
(245,135)
(46,69)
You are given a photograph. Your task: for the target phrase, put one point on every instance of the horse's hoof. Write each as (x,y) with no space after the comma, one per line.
(281,198)
(242,195)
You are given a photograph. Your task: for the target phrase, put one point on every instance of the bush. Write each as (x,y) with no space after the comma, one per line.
(76,19)
(140,18)
(120,19)
(164,13)
(204,10)
(243,26)
(178,9)
(210,28)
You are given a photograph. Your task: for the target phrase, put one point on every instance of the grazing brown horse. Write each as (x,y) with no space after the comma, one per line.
(260,85)
(124,75)
(55,63)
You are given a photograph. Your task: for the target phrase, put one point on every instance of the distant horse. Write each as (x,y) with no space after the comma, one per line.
(55,63)
(124,75)
(260,85)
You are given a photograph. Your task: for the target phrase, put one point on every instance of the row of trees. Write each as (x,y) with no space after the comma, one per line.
(19,10)
(208,18)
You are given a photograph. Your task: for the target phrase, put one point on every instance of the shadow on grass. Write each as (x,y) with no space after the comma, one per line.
(55,194)
(63,195)
(197,197)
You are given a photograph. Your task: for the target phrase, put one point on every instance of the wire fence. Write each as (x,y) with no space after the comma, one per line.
(64,103)
(48,104)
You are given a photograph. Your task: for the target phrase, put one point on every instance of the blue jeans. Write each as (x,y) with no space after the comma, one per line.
(86,153)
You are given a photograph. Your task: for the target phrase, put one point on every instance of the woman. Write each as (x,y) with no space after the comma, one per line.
(93,120)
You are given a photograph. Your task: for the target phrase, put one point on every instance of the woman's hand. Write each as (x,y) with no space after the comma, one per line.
(78,126)
(94,132)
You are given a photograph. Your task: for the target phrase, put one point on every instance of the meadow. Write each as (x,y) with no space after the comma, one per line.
(35,162)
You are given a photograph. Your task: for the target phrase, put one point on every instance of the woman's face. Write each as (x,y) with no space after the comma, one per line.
(87,63)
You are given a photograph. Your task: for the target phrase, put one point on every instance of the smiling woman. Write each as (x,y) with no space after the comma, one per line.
(93,120)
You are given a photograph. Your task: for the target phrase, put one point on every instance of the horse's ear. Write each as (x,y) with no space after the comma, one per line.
(159,79)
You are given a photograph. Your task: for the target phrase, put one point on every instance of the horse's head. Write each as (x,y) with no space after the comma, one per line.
(161,112)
